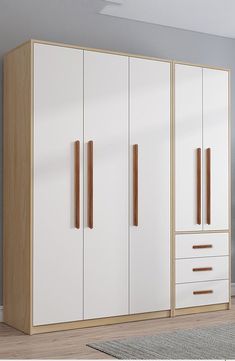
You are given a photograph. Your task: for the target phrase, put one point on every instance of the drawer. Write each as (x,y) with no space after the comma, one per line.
(201,245)
(201,269)
(202,293)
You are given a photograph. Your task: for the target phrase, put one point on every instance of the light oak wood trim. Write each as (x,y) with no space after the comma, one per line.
(201,309)
(199,186)
(27,322)
(202,65)
(90,184)
(130,54)
(208,186)
(106,51)
(135,186)
(17,194)
(127,318)
(73,343)
(100,322)
(77,182)
(142,56)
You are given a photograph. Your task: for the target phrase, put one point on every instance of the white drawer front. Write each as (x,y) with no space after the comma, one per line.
(202,245)
(202,293)
(202,269)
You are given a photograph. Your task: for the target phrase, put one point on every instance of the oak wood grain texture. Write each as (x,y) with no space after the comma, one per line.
(124,319)
(17,188)
(72,344)
(135,185)
(208,185)
(199,187)
(90,184)
(77,183)
(37,41)
(100,322)
(201,309)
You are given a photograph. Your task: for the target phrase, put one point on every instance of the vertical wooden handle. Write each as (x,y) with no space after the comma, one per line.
(208,186)
(135,184)
(199,187)
(90,184)
(77,183)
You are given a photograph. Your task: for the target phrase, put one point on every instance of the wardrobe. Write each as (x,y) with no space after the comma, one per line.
(116,188)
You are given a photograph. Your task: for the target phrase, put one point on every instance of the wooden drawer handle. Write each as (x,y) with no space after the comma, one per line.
(201,246)
(199,188)
(205,292)
(135,185)
(201,269)
(77,183)
(90,184)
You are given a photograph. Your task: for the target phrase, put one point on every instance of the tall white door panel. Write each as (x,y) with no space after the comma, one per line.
(188,139)
(57,244)
(150,239)
(106,244)
(215,141)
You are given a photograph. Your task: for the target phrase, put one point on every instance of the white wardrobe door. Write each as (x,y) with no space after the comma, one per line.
(150,240)
(106,244)
(188,137)
(57,244)
(215,137)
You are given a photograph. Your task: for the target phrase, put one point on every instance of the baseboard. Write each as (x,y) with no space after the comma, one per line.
(232,289)
(1,313)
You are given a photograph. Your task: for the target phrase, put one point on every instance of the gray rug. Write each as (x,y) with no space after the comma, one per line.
(216,342)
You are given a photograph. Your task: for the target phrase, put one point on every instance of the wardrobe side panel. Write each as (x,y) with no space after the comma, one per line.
(188,137)
(150,240)
(57,244)
(17,189)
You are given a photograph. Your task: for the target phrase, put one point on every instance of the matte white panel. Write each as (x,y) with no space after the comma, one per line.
(186,298)
(150,240)
(218,242)
(106,245)
(57,245)
(188,137)
(215,136)
(184,269)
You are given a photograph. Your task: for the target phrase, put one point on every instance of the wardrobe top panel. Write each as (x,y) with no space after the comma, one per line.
(33,41)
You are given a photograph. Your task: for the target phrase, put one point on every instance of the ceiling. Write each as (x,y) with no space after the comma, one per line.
(206,16)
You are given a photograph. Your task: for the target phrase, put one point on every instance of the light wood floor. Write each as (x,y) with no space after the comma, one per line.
(72,344)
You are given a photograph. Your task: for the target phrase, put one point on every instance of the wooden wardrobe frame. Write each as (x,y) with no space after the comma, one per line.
(18,197)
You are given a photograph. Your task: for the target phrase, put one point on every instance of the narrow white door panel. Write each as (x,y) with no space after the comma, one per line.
(57,244)
(215,137)
(150,240)
(106,245)
(188,137)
